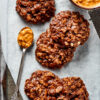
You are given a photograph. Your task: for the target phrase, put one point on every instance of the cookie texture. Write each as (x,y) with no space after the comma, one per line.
(45,38)
(44,85)
(36,11)
(75,88)
(57,45)
(70,28)
(50,54)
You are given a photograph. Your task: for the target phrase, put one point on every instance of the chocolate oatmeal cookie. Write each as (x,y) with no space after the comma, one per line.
(51,54)
(56,46)
(45,38)
(69,28)
(36,11)
(44,85)
(75,88)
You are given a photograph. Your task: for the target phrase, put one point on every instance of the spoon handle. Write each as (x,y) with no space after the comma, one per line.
(15,95)
(20,70)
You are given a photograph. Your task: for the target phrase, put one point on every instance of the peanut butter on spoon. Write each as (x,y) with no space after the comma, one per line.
(25,40)
(25,37)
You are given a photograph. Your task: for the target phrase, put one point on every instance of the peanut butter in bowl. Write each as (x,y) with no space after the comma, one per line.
(25,37)
(89,4)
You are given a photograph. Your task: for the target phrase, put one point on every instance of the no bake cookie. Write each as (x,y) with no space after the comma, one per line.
(57,45)
(41,85)
(51,54)
(69,28)
(44,85)
(36,11)
(74,88)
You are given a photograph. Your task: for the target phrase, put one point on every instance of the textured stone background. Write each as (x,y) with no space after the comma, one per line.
(95,16)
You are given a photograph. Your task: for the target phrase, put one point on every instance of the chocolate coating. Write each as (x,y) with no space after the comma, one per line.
(69,28)
(36,11)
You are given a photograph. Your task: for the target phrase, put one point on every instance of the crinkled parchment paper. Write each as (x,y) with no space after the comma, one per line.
(85,64)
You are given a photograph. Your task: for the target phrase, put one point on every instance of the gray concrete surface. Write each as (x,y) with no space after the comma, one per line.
(95,15)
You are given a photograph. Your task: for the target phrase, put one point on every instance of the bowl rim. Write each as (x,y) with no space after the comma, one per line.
(84,7)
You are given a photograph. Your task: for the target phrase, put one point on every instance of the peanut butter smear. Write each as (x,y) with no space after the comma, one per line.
(25,37)
(87,3)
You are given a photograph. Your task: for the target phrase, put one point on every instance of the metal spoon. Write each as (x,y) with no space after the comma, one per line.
(25,40)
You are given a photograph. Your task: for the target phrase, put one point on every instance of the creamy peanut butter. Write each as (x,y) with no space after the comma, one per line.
(87,3)
(25,37)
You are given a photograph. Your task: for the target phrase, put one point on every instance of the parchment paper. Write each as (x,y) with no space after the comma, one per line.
(85,64)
